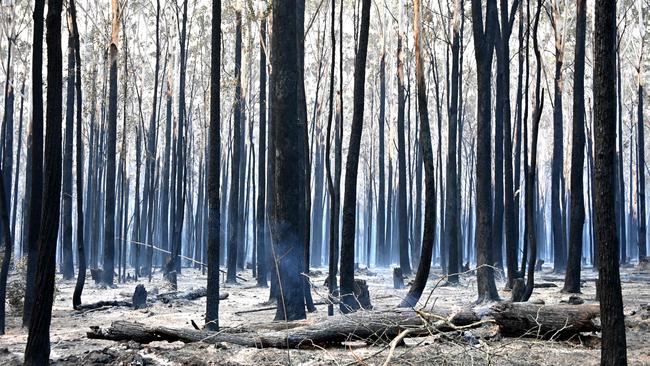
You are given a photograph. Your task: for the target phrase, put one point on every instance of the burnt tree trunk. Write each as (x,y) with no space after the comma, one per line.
(37,351)
(214,160)
(422,274)
(36,162)
(613,348)
(484,46)
(348,302)
(288,209)
(572,278)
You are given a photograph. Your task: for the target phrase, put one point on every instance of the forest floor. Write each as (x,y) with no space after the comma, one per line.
(70,346)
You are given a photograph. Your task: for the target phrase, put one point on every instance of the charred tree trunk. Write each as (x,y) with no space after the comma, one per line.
(36,161)
(484,46)
(67,266)
(287,213)
(427,154)
(452,217)
(559,244)
(572,279)
(613,349)
(37,351)
(261,176)
(348,302)
(214,159)
(233,202)
(404,261)
(109,213)
(81,250)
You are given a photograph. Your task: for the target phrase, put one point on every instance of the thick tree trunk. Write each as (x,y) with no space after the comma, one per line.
(613,349)
(348,302)
(483,44)
(287,213)
(38,342)
(36,161)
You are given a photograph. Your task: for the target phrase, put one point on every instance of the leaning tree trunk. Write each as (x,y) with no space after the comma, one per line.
(81,276)
(348,302)
(613,349)
(37,351)
(422,274)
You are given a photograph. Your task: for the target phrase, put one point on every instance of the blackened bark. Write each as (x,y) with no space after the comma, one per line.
(37,351)
(415,292)
(36,161)
(348,302)
(484,46)
(452,217)
(287,214)
(214,160)
(261,176)
(531,169)
(109,212)
(559,245)
(613,348)
(233,202)
(572,278)
(510,237)
(81,251)
(404,261)
(333,255)
(640,162)
(67,266)
(6,258)
(380,245)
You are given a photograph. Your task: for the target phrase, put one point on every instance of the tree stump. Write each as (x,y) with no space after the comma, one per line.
(362,294)
(518,289)
(398,278)
(97,275)
(538,265)
(140,297)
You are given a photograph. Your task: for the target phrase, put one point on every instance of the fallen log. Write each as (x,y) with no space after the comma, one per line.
(101,304)
(379,326)
(191,294)
(140,296)
(545,321)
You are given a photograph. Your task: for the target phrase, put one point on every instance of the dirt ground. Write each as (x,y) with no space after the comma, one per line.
(70,346)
